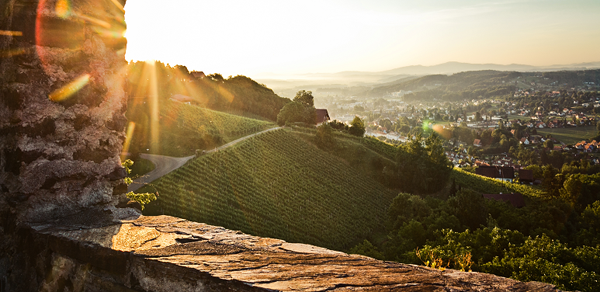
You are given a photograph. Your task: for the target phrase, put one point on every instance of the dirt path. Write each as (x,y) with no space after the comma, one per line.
(165,164)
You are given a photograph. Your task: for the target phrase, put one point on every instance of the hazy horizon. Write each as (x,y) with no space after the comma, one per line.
(282,38)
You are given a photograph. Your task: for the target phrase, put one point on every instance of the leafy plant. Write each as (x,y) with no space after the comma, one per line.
(142,198)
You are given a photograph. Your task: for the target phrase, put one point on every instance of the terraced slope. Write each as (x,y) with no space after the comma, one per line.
(486,185)
(276,185)
(184,128)
(204,120)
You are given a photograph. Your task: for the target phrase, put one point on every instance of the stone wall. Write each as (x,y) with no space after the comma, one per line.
(62,105)
(167,254)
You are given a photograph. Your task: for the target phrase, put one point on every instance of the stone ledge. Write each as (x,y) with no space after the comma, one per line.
(170,254)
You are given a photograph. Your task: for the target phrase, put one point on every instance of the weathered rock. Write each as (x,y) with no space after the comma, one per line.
(170,254)
(62,104)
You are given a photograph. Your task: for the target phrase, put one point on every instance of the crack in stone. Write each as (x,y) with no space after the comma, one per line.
(339,286)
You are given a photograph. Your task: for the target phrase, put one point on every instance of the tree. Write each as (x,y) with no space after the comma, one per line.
(216,77)
(549,144)
(300,110)
(296,112)
(422,169)
(357,127)
(325,136)
(572,188)
(305,98)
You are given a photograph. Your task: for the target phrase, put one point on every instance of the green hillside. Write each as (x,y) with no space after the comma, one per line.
(276,185)
(232,94)
(486,185)
(183,128)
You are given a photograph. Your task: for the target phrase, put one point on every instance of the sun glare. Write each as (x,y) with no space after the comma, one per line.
(70,89)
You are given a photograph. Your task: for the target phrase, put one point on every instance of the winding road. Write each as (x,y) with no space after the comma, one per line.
(165,164)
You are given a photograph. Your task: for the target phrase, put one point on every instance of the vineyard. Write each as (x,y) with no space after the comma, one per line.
(186,128)
(276,185)
(203,120)
(486,185)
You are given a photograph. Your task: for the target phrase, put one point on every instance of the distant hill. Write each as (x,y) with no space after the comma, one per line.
(455,67)
(238,94)
(451,87)
(277,185)
(480,84)
(346,79)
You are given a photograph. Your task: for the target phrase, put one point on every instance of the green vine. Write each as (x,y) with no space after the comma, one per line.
(142,198)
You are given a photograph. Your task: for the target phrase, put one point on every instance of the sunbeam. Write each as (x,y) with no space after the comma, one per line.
(154,107)
(130,131)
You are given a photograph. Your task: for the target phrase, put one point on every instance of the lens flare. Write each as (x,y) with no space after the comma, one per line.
(442,132)
(108,32)
(426,125)
(11,33)
(10,53)
(63,8)
(119,5)
(68,90)
(93,20)
(130,130)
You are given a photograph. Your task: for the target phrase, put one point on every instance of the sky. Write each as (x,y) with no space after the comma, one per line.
(264,37)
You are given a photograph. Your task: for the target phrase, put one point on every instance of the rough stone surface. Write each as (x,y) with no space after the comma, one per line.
(170,254)
(59,153)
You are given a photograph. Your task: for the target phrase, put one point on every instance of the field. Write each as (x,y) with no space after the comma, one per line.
(276,185)
(570,135)
(184,128)
(202,120)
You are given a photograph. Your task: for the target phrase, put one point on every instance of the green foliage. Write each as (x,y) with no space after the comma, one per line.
(422,166)
(549,240)
(276,185)
(469,206)
(357,127)
(366,248)
(302,110)
(491,186)
(325,136)
(305,98)
(546,260)
(142,198)
(296,112)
